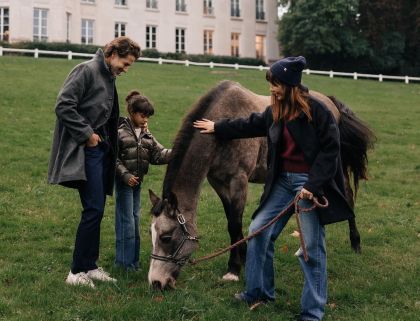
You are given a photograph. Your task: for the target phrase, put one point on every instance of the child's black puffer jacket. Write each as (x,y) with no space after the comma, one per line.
(135,154)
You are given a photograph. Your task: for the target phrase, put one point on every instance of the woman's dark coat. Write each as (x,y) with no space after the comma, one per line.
(136,153)
(317,139)
(87,101)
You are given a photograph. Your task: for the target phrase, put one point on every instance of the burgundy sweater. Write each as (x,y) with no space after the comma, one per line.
(291,156)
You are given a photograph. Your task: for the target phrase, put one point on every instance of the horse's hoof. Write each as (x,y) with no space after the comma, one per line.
(357,249)
(230,277)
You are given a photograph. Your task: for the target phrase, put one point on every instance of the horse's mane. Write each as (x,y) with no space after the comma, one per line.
(186,133)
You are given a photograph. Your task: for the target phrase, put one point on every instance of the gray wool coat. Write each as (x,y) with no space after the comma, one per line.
(85,103)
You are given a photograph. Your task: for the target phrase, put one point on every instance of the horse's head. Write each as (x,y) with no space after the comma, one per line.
(172,241)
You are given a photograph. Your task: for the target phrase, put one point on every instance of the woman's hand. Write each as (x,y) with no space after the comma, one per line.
(93,140)
(206,125)
(304,193)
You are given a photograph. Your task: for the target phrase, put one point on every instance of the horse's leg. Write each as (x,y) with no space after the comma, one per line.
(353,232)
(232,192)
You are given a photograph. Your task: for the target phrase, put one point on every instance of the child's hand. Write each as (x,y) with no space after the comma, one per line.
(133,181)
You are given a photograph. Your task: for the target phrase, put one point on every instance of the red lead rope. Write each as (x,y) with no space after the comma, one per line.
(298,210)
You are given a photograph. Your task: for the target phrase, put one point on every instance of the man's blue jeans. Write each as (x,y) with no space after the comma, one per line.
(127,210)
(92,196)
(259,269)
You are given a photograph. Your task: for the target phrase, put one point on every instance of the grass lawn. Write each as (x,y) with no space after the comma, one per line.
(38,221)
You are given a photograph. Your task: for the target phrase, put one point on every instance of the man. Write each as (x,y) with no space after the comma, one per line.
(84,148)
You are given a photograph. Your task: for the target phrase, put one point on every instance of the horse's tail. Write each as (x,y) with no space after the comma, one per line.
(356,138)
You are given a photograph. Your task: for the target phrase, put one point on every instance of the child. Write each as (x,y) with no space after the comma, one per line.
(137,148)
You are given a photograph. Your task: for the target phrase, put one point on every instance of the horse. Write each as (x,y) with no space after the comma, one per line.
(229,166)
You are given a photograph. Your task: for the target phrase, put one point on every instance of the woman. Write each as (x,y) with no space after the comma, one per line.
(303,158)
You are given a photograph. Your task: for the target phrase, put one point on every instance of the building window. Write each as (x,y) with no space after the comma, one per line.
(180,6)
(259,47)
(88,1)
(121,3)
(179,40)
(4,24)
(151,4)
(208,42)
(234,44)
(259,10)
(208,8)
(151,37)
(119,29)
(40,24)
(68,20)
(87,31)
(235,11)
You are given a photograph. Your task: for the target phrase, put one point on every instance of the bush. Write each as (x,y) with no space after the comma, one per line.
(52,46)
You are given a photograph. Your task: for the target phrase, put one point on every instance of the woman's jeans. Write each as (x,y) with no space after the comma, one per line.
(259,269)
(92,196)
(127,210)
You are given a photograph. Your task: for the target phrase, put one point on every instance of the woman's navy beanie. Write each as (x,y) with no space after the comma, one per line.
(288,70)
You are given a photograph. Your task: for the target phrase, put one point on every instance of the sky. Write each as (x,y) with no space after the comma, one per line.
(281,11)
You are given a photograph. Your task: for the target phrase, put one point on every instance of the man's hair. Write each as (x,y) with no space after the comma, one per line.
(137,103)
(123,46)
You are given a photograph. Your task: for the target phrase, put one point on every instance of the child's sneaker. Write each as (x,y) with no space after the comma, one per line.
(100,275)
(80,278)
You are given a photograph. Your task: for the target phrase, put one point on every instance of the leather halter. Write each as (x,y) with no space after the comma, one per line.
(186,237)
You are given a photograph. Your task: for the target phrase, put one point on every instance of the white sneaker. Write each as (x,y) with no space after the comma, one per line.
(80,278)
(100,275)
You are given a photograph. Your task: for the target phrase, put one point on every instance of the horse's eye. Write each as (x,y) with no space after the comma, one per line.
(165,238)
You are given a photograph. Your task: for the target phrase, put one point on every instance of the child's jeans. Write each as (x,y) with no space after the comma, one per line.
(127,219)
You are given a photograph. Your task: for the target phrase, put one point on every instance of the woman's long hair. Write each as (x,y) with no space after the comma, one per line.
(290,102)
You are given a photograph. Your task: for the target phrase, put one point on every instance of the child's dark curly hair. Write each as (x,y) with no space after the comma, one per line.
(137,103)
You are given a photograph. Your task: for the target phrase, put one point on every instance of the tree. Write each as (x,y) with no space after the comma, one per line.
(376,36)
(382,25)
(322,27)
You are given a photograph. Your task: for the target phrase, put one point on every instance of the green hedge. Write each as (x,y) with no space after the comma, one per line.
(150,53)
(52,46)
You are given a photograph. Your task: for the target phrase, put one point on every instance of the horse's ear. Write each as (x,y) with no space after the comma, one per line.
(173,200)
(153,198)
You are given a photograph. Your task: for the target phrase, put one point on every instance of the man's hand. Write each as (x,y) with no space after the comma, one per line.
(206,125)
(93,140)
(133,181)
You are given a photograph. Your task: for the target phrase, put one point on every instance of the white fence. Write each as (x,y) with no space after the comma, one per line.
(70,55)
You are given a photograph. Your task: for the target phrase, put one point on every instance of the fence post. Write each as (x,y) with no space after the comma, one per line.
(261,68)
(355,75)
(1,51)
(331,74)
(160,60)
(406,80)
(70,55)
(380,78)
(187,63)
(236,66)
(211,64)
(36,53)
(308,71)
